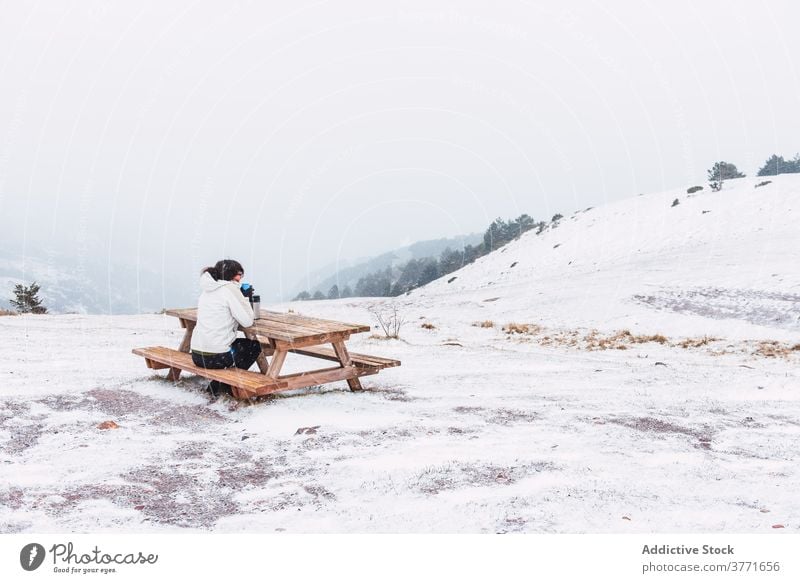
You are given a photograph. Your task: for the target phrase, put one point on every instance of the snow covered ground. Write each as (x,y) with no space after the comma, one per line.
(649,383)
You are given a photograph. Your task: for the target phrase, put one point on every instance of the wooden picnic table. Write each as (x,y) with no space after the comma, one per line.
(279,334)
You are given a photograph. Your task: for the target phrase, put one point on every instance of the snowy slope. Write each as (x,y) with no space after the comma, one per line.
(729,256)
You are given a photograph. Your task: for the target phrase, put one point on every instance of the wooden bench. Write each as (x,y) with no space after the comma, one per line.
(243,382)
(362,360)
(279,334)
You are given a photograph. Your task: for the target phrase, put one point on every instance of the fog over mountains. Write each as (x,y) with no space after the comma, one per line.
(83,278)
(89,283)
(348,273)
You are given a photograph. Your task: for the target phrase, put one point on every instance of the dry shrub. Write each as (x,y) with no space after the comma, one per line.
(660,338)
(561,337)
(624,339)
(619,340)
(484,324)
(8,313)
(389,318)
(514,328)
(773,349)
(427,326)
(697,342)
(595,341)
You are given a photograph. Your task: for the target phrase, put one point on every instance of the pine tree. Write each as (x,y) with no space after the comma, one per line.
(793,165)
(450,261)
(773,166)
(27,299)
(501,232)
(333,293)
(472,253)
(495,234)
(409,277)
(777,165)
(376,284)
(524,223)
(720,172)
(302,296)
(430,271)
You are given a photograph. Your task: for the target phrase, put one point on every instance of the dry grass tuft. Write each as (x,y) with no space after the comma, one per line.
(774,349)
(659,338)
(8,313)
(595,340)
(616,341)
(624,340)
(484,324)
(591,340)
(514,328)
(427,326)
(697,342)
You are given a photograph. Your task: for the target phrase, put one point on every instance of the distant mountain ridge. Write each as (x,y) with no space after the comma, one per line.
(330,275)
(86,284)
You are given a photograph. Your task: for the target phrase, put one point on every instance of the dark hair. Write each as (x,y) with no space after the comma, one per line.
(225,269)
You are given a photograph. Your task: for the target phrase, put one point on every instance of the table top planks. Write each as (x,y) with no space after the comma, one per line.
(291,328)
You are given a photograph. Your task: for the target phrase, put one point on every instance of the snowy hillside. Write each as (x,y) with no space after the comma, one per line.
(679,413)
(729,256)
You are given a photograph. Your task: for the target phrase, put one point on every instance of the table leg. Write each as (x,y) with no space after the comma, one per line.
(185,346)
(261,361)
(277,362)
(344,359)
(186,343)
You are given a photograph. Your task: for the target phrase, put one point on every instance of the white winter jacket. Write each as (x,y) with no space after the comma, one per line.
(221,309)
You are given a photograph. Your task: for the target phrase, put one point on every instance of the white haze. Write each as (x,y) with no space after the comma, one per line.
(163,136)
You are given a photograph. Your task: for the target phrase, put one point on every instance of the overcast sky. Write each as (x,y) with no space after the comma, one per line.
(295,134)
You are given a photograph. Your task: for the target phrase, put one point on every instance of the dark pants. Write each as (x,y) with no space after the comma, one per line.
(243,354)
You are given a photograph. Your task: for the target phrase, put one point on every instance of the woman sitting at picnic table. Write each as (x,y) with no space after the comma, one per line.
(221,309)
